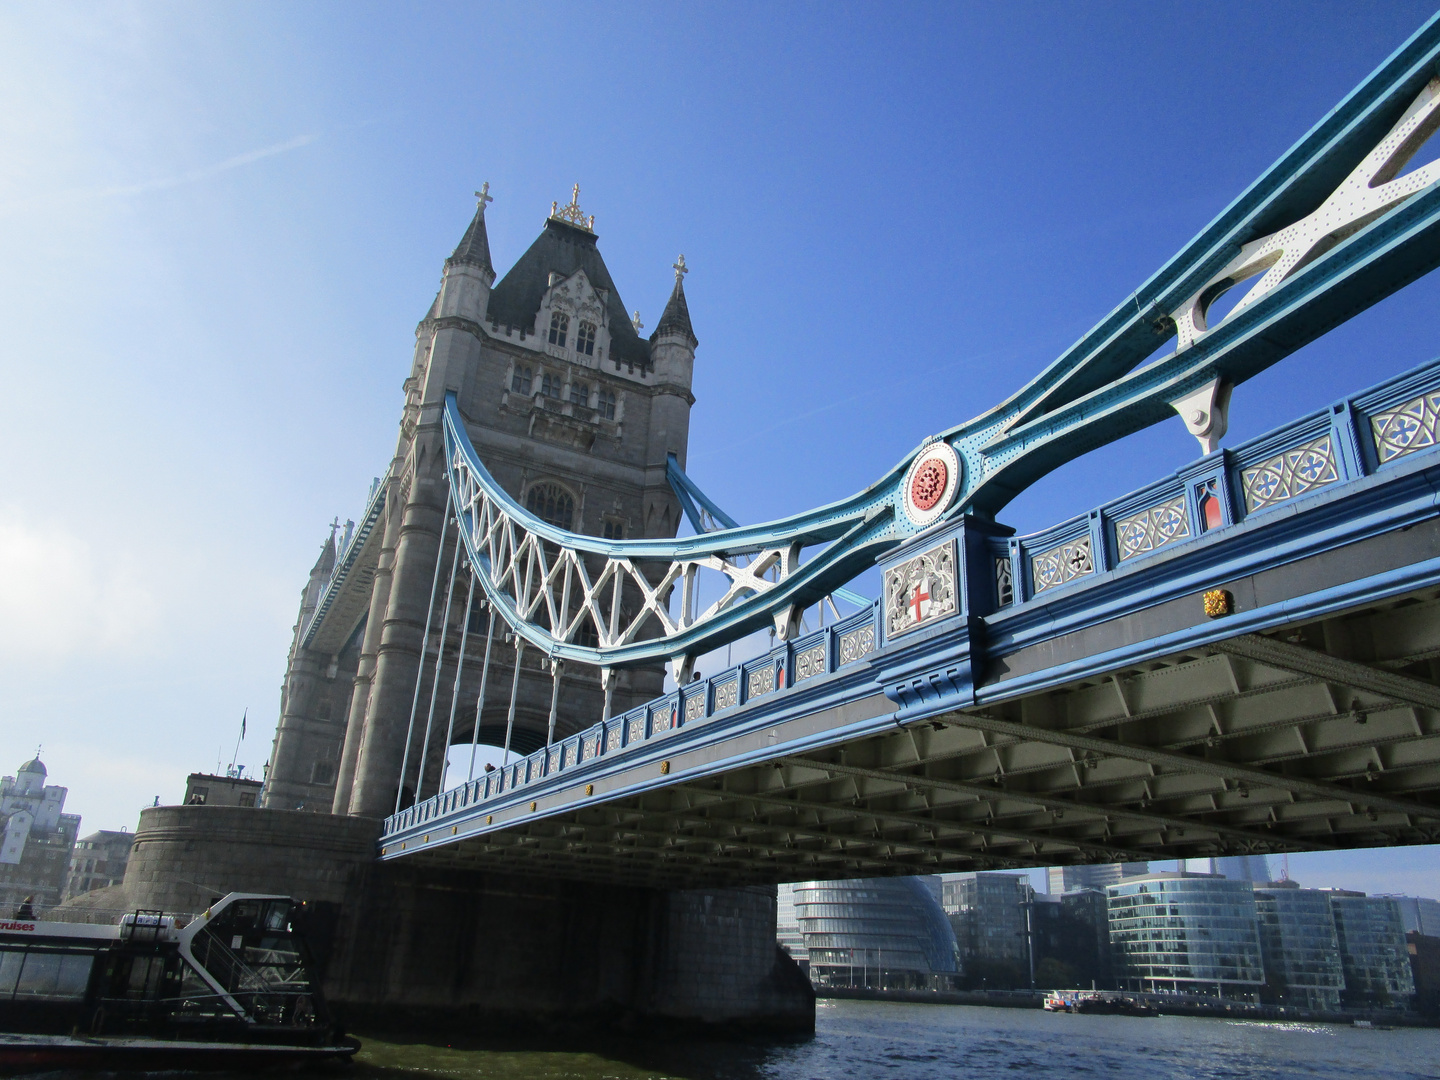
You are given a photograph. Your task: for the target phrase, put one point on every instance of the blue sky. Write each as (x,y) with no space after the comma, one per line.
(219,225)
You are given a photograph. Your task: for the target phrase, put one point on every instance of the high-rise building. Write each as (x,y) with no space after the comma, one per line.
(987,911)
(1185,932)
(1372,949)
(1299,946)
(881,932)
(1424,954)
(1419,914)
(37,840)
(98,861)
(1063,879)
(1070,939)
(1254,868)
(575,415)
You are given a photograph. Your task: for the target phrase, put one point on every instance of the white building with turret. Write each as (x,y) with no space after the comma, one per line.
(36,840)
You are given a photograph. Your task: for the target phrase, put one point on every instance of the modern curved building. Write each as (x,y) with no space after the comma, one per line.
(881,932)
(1190,933)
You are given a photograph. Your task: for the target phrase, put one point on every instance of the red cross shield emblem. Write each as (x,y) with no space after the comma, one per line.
(920,601)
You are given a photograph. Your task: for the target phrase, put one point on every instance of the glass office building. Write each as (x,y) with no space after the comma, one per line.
(987,912)
(1186,933)
(881,932)
(787,925)
(1063,879)
(1299,946)
(1372,949)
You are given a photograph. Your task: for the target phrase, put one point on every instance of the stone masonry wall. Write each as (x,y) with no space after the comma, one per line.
(415,946)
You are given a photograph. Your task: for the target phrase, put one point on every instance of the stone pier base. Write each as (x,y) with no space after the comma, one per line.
(413,948)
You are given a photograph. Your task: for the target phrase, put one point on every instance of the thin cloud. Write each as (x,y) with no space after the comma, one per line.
(192,176)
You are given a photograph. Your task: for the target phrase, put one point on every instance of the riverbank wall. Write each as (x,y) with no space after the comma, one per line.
(1167,1005)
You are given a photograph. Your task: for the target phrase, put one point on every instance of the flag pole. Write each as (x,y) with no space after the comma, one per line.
(239,740)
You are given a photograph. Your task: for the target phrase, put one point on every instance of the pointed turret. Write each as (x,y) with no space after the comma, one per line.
(672,351)
(465,286)
(474,246)
(675,321)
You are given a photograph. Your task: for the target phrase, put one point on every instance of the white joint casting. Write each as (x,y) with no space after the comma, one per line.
(1206,413)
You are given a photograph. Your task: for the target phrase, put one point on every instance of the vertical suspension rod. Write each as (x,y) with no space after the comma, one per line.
(556,667)
(480,701)
(424,644)
(439,662)
(514,690)
(459,671)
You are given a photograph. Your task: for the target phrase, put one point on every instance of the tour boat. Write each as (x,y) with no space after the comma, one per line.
(233,988)
(1097,1001)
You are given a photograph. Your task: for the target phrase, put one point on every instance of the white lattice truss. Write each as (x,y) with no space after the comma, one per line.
(1373,187)
(566,592)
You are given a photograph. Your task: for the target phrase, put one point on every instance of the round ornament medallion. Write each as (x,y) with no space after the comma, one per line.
(931,483)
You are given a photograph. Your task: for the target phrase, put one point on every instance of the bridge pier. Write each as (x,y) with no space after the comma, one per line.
(417,948)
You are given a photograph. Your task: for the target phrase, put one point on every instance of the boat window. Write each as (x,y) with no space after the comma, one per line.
(10,962)
(145,975)
(52,975)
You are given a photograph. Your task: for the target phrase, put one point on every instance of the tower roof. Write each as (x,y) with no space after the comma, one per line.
(34,765)
(474,246)
(326,562)
(676,317)
(564,248)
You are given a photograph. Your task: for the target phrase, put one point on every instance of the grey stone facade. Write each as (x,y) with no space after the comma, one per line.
(574,414)
(98,861)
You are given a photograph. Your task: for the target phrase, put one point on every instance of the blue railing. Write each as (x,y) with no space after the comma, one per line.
(1352,439)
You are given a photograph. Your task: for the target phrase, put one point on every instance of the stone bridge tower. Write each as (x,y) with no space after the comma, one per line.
(574,413)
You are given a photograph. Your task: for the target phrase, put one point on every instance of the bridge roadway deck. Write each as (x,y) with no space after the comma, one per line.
(1107,718)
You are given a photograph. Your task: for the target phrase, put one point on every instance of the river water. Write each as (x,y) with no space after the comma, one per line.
(921,1042)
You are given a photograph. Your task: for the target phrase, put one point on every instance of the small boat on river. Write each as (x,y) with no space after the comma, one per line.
(1098,1003)
(232,988)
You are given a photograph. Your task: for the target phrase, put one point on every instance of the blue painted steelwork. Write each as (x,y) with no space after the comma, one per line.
(689,494)
(1099,390)
(1387,479)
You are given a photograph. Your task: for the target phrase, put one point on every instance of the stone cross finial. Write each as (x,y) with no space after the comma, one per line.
(635,320)
(334,526)
(483,195)
(680,269)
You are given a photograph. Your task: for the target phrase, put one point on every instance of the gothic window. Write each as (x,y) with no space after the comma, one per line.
(585,338)
(614,529)
(559,328)
(606,404)
(552,503)
(549,385)
(1207,497)
(580,392)
(520,381)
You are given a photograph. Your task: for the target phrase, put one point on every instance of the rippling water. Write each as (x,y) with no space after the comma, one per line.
(929,1042)
(921,1042)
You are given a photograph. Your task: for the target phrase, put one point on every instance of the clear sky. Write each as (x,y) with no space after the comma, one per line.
(219,225)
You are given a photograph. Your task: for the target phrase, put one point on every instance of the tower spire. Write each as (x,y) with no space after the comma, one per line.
(474,246)
(676,317)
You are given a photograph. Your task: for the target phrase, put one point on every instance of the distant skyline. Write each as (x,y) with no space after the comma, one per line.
(219,225)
